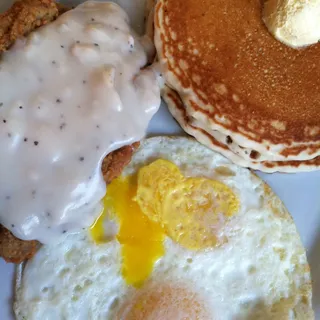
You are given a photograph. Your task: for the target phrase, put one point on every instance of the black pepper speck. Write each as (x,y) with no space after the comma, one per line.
(79,107)
(81,159)
(53,62)
(12,225)
(84,81)
(39,107)
(96,44)
(25,139)
(48,213)
(4,121)
(77,41)
(1,104)
(64,231)
(58,101)
(90,177)
(62,125)
(116,28)
(33,192)
(36,143)
(9,135)
(62,46)
(97,126)
(97,147)
(92,19)
(21,107)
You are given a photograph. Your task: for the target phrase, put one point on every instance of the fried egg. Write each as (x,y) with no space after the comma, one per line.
(185,235)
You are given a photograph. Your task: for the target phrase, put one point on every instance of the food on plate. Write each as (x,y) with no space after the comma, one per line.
(74,91)
(257,98)
(13,249)
(293,22)
(221,245)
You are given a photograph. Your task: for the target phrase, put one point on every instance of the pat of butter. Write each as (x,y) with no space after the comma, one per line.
(296,23)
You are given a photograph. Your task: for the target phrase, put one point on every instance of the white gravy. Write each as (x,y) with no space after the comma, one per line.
(70,93)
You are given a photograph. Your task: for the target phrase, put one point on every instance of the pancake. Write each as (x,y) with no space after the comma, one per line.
(248,148)
(251,154)
(233,74)
(177,109)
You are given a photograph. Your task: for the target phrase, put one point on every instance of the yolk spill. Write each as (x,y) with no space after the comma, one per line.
(141,239)
(97,229)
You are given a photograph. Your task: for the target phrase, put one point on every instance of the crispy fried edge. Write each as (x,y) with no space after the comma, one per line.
(15,250)
(115,161)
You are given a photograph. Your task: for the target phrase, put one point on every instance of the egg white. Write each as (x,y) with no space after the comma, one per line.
(261,272)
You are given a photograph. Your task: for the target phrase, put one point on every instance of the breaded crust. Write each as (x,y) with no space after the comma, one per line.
(15,250)
(22,18)
(115,161)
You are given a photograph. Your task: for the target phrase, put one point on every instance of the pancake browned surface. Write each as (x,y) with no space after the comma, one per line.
(22,18)
(229,70)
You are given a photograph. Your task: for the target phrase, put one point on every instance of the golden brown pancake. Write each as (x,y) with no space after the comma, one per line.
(227,68)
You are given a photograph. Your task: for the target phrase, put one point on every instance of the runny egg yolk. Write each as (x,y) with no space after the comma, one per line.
(191,210)
(164,302)
(153,182)
(141,239)
(194,211)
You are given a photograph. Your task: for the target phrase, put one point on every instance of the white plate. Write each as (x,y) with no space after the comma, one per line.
(300,192)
